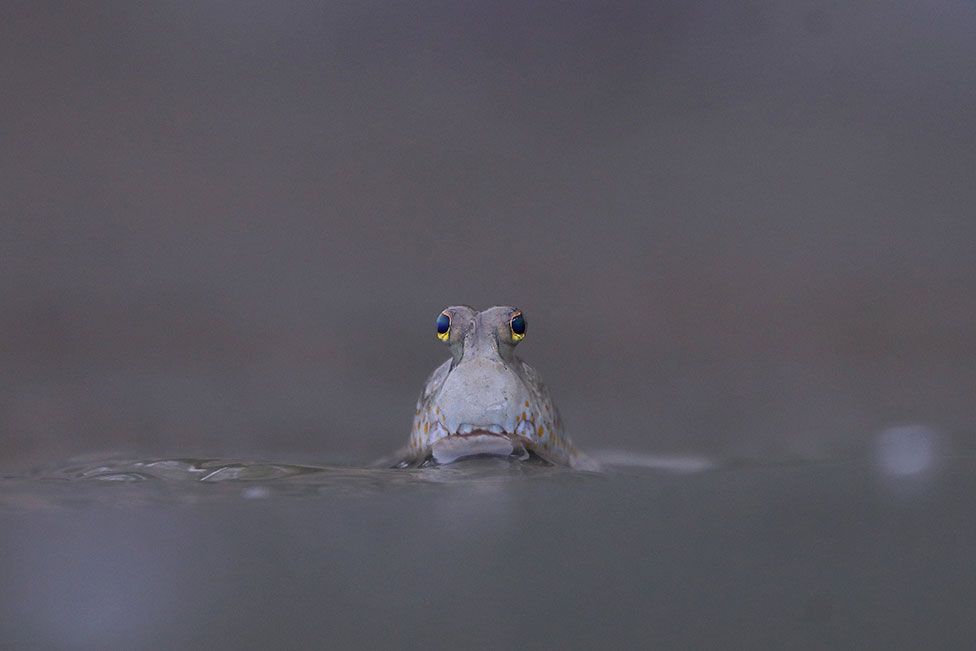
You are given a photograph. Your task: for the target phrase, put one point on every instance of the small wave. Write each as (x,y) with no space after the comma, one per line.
(671,463)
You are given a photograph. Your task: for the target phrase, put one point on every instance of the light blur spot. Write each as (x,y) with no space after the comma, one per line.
(907,450)
(255,493)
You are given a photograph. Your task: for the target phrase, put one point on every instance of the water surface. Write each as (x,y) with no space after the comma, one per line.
(186,553)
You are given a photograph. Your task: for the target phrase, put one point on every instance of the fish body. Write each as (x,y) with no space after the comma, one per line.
(485,400)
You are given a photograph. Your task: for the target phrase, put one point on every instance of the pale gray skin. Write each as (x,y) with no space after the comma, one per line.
(485,400)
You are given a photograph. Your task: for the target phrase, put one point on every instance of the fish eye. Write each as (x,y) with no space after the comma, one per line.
(517,323)
(443,326)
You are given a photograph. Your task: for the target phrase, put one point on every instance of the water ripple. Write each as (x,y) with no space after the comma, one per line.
(190,480)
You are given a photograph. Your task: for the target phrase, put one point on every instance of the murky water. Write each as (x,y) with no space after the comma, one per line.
(182,553)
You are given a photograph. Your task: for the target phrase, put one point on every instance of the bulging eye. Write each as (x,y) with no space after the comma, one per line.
(443,326)
(518,326)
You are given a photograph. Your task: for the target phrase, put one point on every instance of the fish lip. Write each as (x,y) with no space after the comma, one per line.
(481,432)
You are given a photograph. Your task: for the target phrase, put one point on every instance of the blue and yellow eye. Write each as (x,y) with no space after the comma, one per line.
(443,326)
(517,323)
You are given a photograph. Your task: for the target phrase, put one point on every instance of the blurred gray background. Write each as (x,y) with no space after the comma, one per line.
(744,229)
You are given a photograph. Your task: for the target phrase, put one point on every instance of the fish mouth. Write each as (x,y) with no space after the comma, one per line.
(474,441)
(469,430)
